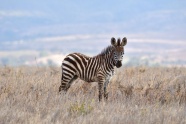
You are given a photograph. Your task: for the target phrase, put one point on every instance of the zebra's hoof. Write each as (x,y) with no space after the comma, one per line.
(106,96)
(60,88)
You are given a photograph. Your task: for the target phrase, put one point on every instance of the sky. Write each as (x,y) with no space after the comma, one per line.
(23,20)
(35,24)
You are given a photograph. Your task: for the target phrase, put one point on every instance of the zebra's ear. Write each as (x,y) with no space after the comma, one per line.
(113,41)
(124,41)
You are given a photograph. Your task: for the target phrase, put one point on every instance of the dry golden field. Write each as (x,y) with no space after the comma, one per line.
(137,95)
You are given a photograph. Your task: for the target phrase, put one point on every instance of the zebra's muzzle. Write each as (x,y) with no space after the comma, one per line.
(118,64)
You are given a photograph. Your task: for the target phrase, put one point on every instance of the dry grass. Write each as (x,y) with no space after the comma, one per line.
(137,95)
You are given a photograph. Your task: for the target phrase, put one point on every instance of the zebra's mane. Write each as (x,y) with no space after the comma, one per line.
(106,50)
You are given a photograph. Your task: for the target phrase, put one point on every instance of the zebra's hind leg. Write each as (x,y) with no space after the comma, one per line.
(70,82)
(62,86)
(65,84)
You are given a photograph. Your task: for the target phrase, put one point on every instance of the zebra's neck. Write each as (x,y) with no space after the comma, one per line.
(107,61)
(107,55)
(107,50)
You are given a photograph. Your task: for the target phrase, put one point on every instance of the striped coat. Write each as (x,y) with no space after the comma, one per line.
(99,68)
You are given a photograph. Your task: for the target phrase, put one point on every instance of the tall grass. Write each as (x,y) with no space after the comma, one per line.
(136,95)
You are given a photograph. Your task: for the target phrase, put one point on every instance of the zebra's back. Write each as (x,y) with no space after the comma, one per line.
(80,65)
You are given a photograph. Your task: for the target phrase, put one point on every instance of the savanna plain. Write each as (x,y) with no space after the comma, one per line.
(137,95)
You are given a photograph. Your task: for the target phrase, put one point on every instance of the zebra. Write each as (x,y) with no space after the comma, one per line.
(99,68)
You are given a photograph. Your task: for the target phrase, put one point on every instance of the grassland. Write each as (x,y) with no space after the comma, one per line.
(137,95)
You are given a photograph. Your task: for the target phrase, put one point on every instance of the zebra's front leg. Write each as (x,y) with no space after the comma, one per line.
(100,86)
(106,84)
(105,89)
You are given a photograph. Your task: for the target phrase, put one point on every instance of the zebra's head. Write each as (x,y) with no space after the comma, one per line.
(118,50)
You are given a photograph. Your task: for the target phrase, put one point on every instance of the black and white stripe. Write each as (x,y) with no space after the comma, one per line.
(99,68)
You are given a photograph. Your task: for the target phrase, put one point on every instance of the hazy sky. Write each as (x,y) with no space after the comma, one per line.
(30,28)
(31,19)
